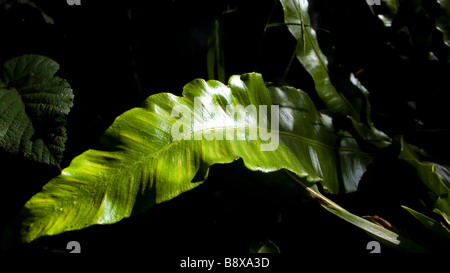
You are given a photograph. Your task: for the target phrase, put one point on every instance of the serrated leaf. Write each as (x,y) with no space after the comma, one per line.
(33,104)
(151,154)
(21,69)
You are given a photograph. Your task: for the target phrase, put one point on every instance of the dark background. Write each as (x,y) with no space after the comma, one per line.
(115,54)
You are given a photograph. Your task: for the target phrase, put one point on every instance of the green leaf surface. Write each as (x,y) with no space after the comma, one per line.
(156,152)
(435,176)
(33,104)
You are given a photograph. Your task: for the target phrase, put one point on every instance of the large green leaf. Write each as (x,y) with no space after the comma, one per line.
(155,152)
(33,103)
(354,104)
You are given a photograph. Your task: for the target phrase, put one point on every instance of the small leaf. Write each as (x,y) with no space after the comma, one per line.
(266,246)
(432,225)
(33,104)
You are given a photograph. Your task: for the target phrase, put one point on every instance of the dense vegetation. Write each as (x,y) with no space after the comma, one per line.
(370,88)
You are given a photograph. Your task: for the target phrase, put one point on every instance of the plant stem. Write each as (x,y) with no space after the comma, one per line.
(322,198)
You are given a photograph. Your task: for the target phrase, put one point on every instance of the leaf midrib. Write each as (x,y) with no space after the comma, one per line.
(144,157)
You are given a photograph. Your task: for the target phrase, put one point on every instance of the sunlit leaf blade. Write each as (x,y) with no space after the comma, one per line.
(355,104)
(432,225)
(435,176)
(33,104)
(143,163)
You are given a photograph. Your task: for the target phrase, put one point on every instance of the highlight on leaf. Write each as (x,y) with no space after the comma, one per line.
(141,164)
